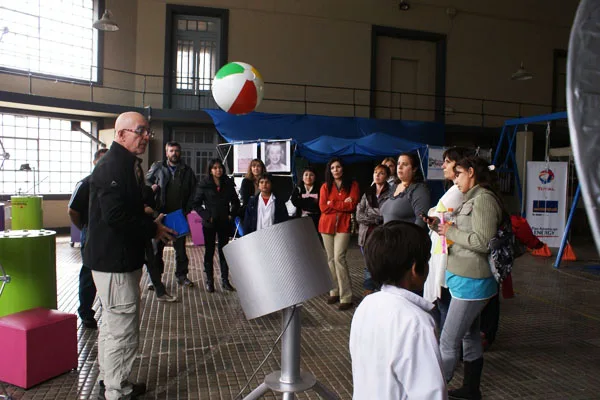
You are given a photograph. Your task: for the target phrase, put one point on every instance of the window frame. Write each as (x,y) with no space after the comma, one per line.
(171,13)
(96,126)
(98,5)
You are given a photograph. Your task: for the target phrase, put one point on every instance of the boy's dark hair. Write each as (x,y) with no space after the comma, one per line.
(267,177)
(99,153)
(392,249)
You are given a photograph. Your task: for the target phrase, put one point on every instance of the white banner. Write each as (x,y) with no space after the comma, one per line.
(547,200)
(434,164)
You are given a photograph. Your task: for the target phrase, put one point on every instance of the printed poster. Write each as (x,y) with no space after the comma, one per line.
(547,200)
(434,164)
(243,154)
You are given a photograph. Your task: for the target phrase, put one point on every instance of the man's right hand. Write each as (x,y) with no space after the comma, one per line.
(163,233)
(154,188)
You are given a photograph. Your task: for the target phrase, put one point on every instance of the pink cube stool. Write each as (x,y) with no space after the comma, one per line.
(36,345)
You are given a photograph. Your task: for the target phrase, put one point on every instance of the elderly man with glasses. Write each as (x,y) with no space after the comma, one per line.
(118,230)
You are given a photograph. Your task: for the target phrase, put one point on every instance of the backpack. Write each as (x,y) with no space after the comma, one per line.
(504,248)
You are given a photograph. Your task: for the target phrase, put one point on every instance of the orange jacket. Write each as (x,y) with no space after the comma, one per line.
(335,216)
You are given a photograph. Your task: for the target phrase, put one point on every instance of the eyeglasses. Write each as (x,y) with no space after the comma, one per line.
(141,131)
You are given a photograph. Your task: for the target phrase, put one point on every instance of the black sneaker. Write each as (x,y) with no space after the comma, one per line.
(227,286)
(90,323)
(210,286)
(185,282)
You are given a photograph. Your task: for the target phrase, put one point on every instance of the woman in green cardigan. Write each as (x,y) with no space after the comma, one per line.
(468,273)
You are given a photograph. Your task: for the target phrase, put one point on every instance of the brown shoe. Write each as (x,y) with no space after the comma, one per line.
(344,306)
(333,299)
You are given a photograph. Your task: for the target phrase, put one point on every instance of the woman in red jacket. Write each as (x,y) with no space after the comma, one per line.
(338,199)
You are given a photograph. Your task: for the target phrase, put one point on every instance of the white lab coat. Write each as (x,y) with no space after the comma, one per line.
(394,348)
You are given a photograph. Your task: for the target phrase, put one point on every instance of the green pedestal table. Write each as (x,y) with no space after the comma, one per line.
(26,212)
(29,258)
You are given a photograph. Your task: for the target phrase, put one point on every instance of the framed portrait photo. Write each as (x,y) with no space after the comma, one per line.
(276,155)
(243,154)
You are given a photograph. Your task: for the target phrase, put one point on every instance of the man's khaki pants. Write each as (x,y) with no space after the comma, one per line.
(120,329)
(336,247)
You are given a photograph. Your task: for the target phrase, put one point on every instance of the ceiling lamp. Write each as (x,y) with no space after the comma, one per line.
(106,23)
(522,74)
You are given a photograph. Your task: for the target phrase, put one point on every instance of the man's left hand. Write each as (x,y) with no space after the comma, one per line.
(163,233)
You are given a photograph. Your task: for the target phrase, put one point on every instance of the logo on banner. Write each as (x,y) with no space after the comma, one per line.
(545,206)
(546,176)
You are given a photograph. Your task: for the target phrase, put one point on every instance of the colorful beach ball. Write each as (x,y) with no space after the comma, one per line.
(238,88)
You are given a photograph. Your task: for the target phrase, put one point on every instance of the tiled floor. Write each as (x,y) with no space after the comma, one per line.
(203,347)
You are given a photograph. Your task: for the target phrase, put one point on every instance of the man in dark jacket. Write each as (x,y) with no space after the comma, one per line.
(175,183)
(78,213)
(117,232)
(264,209)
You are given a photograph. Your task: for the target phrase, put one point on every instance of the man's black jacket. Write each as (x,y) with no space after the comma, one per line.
(118,228)
(160,174)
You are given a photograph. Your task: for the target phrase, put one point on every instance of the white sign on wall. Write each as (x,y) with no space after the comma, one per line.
(435,160)
(547,200)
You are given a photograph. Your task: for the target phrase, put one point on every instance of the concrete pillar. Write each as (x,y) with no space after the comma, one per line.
(523,153)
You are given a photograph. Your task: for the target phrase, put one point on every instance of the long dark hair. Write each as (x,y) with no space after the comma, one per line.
(346,181)
(484,176)
(211,164)
(457,152)
(415,163)
(254,162)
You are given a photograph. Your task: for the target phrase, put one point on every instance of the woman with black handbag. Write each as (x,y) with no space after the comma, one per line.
(468,275)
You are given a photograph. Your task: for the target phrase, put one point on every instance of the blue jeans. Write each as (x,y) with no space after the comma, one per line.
(87,288)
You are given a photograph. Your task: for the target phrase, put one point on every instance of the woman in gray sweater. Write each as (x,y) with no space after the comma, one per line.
(409,195)
(468,273)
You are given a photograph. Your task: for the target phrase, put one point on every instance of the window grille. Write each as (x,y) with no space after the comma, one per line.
(50,37)
(60,157)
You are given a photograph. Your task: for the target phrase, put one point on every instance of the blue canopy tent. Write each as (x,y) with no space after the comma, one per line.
(375,145)
(304,128)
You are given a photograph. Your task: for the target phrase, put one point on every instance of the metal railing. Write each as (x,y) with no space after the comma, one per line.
(127,88)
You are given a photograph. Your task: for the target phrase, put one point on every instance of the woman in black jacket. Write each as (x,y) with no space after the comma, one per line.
(217,203)
(305,197)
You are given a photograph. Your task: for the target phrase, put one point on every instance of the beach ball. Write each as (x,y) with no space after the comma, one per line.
(238,88)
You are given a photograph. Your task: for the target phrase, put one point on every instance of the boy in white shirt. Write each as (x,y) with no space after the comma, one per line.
(264,209)
(393,338)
